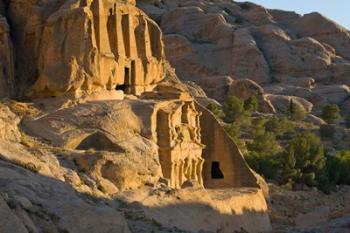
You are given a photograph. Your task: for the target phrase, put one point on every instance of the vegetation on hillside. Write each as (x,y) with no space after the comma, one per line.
(331,113)
(278,150)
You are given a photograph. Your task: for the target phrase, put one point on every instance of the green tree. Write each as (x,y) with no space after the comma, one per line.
(279,126)
(251,104)
(257,126)
(233,109)
(262,154)
(303,159)
(214,108)
(331,113)
(327,131)
(234,131)
(264,164)
(343,158)
(296,112)
(336,172)
(347,121)
(332,170)
(264,144)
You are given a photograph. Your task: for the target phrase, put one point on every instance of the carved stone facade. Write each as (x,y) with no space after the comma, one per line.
(225,166)
(130,46)
(109,45)
(179,141)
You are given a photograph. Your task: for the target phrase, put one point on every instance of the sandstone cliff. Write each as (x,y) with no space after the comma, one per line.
(288,54)
(102,136)
(86,44)
(222,48)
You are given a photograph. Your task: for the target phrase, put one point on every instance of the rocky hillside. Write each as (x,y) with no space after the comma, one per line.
(217,43)
(98,134)
(223,48)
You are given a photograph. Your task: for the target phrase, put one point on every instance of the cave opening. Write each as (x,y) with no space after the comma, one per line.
(216,172)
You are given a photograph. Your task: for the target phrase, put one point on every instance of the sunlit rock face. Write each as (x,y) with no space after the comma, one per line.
(81,151)
(66,48)
(284,52)
(108,44)
(179,140)
(72,46)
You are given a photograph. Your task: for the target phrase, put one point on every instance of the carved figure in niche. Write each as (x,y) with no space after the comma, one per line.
(180,148)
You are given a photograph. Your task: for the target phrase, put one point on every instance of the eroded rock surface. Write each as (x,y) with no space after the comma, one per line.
(105,117)
(7,72)
(47,204)
(88,45)
(212,39)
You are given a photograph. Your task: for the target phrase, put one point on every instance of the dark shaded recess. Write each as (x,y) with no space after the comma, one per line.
(99,142)
(216,172)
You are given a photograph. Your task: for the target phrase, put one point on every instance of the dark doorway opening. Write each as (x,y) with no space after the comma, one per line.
(126,82)
(122,87)
(216,172)
(126,75)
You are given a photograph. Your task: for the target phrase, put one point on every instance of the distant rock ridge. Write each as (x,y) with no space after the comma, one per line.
(274,48)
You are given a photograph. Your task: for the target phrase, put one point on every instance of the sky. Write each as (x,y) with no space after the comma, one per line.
(337,10)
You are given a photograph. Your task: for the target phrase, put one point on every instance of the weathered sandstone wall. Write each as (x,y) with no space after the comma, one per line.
(78,46)
(286,53)
(179,140)
(224,165)
(90,144)
(7,81)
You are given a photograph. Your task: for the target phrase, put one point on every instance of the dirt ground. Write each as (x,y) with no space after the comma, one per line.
(310,210)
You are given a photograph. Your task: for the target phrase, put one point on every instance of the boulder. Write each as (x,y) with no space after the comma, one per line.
(9,124)
(216,87)
(248,61)
(55,206)
(152,9)
(114,146)
(246,88)
(255,14)
(305,82)
(325,30)
(339,73)
(334,94)
(261,45)
(9,222)
(292,57)
(284,17)
(282,103)
(314,120)
(201,54)
(183,57)
(306,93)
